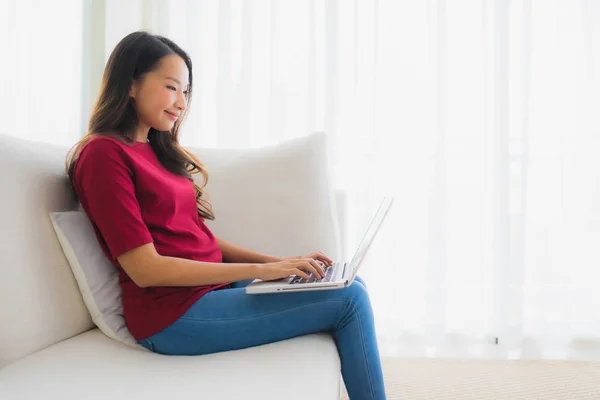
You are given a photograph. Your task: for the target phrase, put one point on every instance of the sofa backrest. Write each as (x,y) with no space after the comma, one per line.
(41,304)
(276,200)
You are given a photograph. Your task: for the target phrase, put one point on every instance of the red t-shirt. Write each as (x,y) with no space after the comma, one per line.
(132,200)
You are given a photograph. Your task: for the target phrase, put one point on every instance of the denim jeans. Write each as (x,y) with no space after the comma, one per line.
(229,319)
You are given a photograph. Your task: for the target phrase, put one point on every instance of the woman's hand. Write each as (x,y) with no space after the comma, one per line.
(291,266)
(318,256)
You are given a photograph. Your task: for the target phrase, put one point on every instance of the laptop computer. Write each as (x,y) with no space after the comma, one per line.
(339,275)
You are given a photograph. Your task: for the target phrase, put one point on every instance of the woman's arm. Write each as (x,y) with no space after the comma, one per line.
(149,269)
(236,254)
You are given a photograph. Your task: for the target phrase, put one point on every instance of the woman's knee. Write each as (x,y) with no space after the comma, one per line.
(358,292)
(360,280)
(357,302)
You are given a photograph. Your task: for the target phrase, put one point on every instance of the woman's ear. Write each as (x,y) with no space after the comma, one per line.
(134,89)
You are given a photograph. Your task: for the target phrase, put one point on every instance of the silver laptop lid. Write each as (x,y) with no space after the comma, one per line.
(369,235)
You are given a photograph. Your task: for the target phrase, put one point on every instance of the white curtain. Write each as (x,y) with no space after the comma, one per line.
(479,117)
(41,69)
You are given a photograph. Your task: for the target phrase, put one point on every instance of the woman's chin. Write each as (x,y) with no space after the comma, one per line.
(164,126)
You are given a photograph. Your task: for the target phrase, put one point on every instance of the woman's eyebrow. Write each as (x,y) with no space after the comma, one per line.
(173,79)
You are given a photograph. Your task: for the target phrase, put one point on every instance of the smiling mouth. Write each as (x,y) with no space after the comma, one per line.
(173,116)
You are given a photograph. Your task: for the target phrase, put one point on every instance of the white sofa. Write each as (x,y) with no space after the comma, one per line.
(49,347)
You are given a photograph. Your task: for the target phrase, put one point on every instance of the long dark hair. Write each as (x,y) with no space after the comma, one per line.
(114,113)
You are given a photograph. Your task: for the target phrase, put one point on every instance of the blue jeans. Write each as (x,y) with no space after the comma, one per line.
(229,319)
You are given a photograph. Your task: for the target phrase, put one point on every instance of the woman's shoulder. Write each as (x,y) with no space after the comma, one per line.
(102,155)
(101,149)
(107,140)
(104,145)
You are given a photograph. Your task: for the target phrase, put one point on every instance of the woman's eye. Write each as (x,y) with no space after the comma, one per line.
(186,92)
(171,87)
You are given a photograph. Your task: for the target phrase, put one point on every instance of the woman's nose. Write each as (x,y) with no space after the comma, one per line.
(181,102)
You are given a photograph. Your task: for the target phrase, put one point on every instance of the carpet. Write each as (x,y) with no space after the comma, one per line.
(481,379)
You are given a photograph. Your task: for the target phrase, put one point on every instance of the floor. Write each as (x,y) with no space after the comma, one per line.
(486,379)
(490,372)
(585,351)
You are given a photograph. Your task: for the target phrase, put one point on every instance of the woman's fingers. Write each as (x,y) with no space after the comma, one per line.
(317,271)
(299,272)
(322,257)
(308,266)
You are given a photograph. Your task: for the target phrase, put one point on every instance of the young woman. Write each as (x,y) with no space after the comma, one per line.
(182,287)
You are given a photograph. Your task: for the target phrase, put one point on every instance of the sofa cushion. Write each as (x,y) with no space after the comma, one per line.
(277,200)
(93,367)
(97,278)
(41,303)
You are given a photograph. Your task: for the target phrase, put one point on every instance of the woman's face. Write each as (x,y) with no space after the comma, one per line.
(160,95)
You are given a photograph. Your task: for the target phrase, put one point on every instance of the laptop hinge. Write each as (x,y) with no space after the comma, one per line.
(344,270)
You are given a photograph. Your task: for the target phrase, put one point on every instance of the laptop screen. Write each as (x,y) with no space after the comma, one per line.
(370,233)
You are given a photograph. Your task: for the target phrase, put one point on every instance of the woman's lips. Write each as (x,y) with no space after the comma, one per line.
(172,116)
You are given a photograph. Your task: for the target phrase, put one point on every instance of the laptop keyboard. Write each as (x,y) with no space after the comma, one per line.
(327,278)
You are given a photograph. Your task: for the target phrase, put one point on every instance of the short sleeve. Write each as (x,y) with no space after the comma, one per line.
(104,183)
